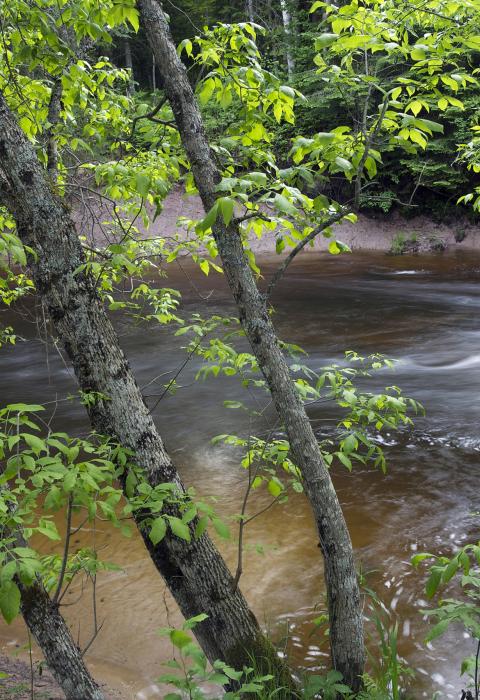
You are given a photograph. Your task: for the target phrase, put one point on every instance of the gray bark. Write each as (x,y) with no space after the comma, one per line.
(52,635)
(50,631)
(345,609)
(195,572)
(54,107)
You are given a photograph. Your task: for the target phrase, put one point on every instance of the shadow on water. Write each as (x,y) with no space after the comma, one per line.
(423,311)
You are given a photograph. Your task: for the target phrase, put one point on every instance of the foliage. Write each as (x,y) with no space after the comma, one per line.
(44,477)
(464,566)
(191,669)
(389,674)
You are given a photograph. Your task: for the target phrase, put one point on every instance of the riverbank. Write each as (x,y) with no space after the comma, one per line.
(24,681)
(388,234)
(21,678)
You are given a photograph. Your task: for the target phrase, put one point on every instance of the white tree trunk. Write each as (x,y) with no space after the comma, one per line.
(287,22)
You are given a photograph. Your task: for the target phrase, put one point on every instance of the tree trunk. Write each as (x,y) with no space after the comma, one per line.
(127,49)
(53,117)
(287,21)
(52,635)
(345,609)
(195,572)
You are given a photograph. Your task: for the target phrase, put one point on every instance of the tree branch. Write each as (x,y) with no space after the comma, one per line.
(301,245)
(149,115)
(368,144)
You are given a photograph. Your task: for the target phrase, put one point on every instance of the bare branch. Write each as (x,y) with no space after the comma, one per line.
(301,245)
(149,115)
(369,141)
(65,553)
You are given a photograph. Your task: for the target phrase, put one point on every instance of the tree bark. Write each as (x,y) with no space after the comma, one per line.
(287,21)
(195,572)
(51,632)
(53,117)
(127,50)
(52,635)
(345,609)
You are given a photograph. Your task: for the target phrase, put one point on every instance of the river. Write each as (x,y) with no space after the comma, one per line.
(424,311)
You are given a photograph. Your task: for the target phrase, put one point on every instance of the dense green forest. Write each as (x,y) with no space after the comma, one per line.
(411,181)
(282,123)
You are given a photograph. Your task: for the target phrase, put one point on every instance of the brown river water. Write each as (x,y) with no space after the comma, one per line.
(423,311)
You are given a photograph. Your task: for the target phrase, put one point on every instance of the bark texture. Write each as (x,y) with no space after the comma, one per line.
(195,572)
(51,632)
(345,609)
(52,635)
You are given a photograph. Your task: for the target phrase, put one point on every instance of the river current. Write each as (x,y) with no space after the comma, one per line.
(423,311)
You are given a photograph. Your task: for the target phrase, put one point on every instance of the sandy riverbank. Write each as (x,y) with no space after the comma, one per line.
(366,234)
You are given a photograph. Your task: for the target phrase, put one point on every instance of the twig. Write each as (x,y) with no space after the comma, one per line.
(477,689)
(32,686)
(293,253)
(180,369)
(369,141)
(65,552)
(149,115)
(241,524)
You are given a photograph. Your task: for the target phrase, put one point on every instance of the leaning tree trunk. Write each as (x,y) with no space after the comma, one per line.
(51,632)
(52,635)
(345,609)
(195,572)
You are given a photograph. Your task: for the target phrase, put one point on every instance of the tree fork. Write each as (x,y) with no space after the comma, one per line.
(344,602)
(195,572)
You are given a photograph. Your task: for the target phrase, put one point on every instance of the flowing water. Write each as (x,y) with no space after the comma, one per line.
(423,311)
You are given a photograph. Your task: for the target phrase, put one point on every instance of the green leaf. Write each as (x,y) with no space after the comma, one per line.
(9,601)
(201,526)
(324,40)
(25,407)
(8,571)
(275,487)
(437,630)
(158,530)
(344,460)
(48,529)
(179,528)
(284,205)
(180,638)
(343,164)
(209,219)
(192,621)
(142,184)
(433,581)
(221,528)
(226,206)
(34,442)
(417,54)
(324,137)
(418,558)
(70,480)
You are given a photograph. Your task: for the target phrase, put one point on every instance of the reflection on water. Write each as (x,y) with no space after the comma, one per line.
(423,311)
